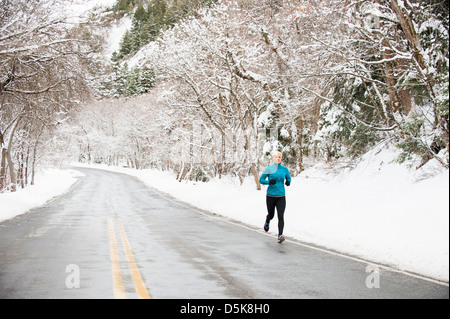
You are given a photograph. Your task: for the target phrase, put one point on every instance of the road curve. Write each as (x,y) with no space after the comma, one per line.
(112,237)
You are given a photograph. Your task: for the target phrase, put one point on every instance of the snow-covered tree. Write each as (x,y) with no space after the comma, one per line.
(42,58)
(317,80)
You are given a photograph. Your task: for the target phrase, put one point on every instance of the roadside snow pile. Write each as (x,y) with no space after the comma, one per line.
(378,211)
(49,184)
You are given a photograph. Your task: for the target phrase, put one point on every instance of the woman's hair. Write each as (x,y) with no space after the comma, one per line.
(276,153)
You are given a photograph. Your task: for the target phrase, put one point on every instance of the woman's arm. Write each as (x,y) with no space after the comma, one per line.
(263,179)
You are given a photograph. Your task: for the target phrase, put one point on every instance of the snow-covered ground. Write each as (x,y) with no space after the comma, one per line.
(50,184)
(379,211)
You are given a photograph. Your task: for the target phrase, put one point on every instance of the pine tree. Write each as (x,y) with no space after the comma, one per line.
(132,82)
(124,5)
(120,79)
(126,44)
(158,12)
(139,19)
(145,35)
(146,80)
(136,42)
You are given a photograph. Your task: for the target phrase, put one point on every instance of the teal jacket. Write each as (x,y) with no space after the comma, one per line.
(280,175)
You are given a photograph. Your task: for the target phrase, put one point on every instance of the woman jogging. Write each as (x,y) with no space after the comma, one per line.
(276,176)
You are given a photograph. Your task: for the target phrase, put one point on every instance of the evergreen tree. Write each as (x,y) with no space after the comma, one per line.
(147,24)
(136,42)
(129,82)
(139,19)
(131,87)
(145,34)
(158,11)
(115,56)
(146,80)
(126,44)
(123,6)
(120,79)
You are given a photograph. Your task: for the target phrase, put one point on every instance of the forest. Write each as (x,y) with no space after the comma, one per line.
(211,88)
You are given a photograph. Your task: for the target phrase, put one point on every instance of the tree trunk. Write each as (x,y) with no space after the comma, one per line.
(400,98)
(33,161)
(300,145)
(256,177)
(12,171)
(2,165)
(407,26)
(390,79)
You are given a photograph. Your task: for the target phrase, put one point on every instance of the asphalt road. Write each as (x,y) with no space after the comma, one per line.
(112,237)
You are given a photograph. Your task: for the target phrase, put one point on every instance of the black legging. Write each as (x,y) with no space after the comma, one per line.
(280,204)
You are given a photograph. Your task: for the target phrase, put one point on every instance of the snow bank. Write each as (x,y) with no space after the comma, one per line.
(49,184)
(379,211)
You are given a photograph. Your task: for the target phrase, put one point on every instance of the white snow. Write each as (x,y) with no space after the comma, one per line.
(75,9)
(50,183)
(78,8)
(379,211)
(114,35)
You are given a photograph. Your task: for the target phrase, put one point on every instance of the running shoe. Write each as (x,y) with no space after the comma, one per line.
(266,227)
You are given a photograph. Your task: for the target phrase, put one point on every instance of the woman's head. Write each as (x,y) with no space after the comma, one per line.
(277,157)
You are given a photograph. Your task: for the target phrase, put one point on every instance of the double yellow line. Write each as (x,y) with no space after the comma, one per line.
(119,288)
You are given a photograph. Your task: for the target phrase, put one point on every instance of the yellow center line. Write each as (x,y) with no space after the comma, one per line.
(118,287)
(135,274)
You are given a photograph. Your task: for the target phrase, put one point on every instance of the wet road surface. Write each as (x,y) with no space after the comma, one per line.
(112,237)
